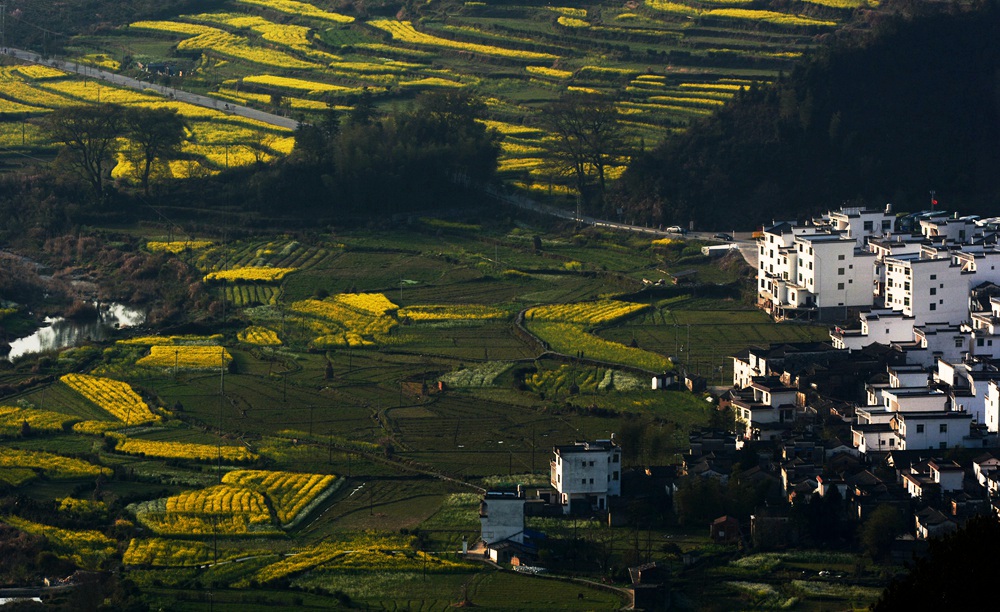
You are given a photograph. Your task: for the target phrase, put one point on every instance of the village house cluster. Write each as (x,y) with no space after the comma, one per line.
(911,371)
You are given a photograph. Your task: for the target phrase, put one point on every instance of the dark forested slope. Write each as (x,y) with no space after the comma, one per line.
(913,108)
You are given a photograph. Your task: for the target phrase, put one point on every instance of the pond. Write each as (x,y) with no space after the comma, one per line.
(61,333)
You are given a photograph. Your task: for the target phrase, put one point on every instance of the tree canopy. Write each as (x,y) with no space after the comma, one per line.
(912,109)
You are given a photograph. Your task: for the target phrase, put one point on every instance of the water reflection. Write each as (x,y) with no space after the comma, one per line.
(61,333)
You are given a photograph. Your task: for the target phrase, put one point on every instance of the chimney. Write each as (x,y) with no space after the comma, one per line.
(888,208)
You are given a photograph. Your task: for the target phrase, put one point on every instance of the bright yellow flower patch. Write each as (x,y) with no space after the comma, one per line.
(178,246)
(254,274)
(114,397)
(184,356)
(403,31)
(260,336)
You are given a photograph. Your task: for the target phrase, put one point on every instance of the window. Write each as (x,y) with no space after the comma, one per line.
(840,286)
(933,276)
(614,475)
(933,306)
(868,226)
(943,428)
(591,464)
(583,464)
(920,428)
(979,342)
(591,481)
(933,290)
(886,224)
(614,459)
(840,271)
(583,481)
(558,477)
(810,265)
(840,257)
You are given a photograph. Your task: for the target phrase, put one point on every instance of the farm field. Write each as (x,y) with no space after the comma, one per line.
(666,64)
(249,460)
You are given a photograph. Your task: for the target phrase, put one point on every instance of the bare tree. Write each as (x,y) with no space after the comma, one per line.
(590,137)
(90,136)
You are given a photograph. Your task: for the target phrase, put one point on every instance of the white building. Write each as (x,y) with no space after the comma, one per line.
(861,224)
(586,474)
(501,516)
(768,410)
(881,325)
(926,430)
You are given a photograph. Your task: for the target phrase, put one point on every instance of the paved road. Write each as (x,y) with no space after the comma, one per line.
(169,92)
(744,242)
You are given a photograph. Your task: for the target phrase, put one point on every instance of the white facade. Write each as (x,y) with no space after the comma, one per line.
(927,430)
(772,404)
(831,273)
(991,407)
(862,224)
(881,325)
(501,516)
(586,472)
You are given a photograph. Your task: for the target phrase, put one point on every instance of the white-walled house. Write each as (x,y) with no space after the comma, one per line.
(884,326)
(586,473)
(896,246)
(948,474)
(501,516)
(862,224)
(832,275)
(927,430)
(955,229)
(768,410)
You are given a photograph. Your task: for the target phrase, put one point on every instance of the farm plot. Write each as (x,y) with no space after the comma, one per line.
(16,420)
(49,465)
(181,450)
(706,339)
(115,397)
(292,495)
(571,339)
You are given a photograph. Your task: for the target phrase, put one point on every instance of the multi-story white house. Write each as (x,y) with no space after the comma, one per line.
(814,271)
(862,224)
(586,474)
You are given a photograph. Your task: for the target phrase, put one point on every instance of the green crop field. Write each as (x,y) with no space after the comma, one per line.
(411,425)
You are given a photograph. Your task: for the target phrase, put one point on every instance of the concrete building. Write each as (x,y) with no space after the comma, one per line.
(501,516)
(586,474)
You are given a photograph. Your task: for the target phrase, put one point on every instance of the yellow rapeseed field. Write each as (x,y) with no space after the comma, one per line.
(114,397)
(185,356)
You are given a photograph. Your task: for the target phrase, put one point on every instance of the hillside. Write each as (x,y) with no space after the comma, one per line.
(910,110)
(663,65)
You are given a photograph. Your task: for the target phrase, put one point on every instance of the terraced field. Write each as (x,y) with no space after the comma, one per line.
(665,64)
